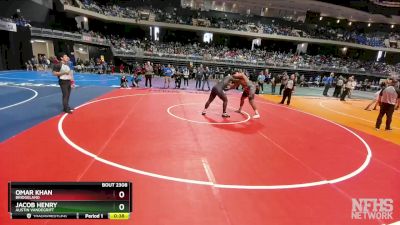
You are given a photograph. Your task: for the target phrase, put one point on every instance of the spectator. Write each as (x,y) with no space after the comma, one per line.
(388,98)
(185,76)
(29,65)
(112,68)
(328,82)
(289,89)
(65,80)
(253,76)
(199,76)
(193,72)
(261,79)
(347,88)
(268,76)
(35,63)
(124,82)
(167,75)
(353,87)
(149,72)
(338,87)
(178,78)
(284,81)
(206,76)
(273,85)
(122,68)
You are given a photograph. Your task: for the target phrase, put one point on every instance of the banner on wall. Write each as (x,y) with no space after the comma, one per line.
(8,26)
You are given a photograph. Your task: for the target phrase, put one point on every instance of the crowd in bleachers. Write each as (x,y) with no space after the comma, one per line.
(269,58)
(243,24)
(223,54)
(115,10)
(371,39)
(136,73)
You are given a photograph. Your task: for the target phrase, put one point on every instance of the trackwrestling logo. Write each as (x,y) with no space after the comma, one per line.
(372,208)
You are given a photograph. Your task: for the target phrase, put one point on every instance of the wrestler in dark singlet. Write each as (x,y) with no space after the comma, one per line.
(219,90)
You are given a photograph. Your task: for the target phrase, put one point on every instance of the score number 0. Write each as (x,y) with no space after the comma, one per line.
(121,195)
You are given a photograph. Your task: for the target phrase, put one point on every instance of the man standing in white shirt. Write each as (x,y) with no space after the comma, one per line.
(149,72)
(353,87)
(347,88)
(388,98)
(289,89)
(65,80)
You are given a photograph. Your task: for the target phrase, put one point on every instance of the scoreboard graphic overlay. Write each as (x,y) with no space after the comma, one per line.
(70,200)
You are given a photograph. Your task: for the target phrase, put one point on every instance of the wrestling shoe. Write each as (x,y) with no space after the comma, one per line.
(204,112)
(225,115)
(257,116)
(68,111)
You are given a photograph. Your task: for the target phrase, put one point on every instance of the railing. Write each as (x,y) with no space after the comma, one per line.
(86,38)
(238,63)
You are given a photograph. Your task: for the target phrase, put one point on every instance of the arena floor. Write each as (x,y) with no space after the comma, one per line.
(298,164)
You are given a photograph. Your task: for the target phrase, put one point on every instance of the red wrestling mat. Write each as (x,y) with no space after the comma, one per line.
(286,168)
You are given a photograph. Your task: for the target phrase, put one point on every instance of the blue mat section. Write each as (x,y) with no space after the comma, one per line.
(47,104)
(40,78)
(12,95)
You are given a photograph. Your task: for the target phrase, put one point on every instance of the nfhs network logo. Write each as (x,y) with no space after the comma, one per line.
(372,208)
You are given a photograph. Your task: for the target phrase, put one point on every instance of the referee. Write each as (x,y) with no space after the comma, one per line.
(388,99)
(289,89)
(65,79)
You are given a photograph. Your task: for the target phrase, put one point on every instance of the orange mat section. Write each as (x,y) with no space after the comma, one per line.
(350,113)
